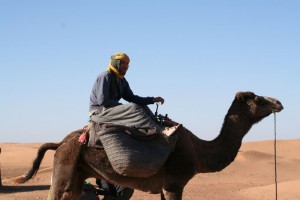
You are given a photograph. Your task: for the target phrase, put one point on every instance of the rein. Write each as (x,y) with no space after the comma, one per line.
(275,155)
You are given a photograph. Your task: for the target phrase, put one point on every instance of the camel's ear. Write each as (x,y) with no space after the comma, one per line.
(244,96)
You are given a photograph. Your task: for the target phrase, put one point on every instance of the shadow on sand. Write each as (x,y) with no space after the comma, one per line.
(23,188)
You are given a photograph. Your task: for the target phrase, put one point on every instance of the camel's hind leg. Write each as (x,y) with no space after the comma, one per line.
(67,181)
(66,188)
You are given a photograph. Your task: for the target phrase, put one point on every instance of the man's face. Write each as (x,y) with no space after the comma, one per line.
(123,67)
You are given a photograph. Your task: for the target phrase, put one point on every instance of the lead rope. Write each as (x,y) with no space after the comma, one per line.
(275,153)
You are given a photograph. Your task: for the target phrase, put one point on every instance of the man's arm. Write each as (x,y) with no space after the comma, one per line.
(130,97)
(101,92)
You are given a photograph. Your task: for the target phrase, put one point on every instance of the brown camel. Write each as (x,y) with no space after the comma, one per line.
(75,162)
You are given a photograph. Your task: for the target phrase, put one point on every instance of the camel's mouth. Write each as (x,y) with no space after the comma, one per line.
(276,105)
(277,108)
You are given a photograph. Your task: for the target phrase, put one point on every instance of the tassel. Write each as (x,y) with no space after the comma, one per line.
(82,138)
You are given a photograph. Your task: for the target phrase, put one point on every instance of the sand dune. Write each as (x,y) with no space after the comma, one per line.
(250,177)
(286,190)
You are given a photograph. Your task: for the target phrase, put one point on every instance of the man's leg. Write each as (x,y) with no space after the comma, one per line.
(131,115)
(115,192)
(123,193)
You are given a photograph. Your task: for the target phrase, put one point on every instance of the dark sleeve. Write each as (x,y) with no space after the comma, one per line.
(130,97)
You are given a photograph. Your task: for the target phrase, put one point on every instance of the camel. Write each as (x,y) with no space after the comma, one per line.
(74,162)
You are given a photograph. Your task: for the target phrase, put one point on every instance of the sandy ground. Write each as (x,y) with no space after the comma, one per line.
(250,177)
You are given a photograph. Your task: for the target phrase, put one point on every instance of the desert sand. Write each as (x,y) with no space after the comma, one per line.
(250,177)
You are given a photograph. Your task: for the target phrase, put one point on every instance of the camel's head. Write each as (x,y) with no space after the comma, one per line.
(258,107)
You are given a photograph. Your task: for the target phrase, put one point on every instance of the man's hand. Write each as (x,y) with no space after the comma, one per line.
(158,99)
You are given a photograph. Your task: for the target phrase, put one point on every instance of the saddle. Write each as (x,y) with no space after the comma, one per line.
(132,152)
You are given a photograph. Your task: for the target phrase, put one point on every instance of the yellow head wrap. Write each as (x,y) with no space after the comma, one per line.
(120,56)
(117,56)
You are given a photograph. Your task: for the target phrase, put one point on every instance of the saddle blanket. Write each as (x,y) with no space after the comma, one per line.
(132,152)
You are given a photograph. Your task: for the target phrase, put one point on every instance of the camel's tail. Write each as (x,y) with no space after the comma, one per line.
(37,161)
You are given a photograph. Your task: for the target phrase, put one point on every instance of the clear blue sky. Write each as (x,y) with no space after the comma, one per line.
(196,54)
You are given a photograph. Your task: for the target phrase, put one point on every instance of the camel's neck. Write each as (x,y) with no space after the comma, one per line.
(215,155)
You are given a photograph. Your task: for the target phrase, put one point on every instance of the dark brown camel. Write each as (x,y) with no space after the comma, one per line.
(74,162)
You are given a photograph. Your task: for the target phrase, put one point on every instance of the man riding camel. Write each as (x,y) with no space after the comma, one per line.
(109,87)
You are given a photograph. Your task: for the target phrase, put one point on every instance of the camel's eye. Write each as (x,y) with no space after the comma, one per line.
(258,100)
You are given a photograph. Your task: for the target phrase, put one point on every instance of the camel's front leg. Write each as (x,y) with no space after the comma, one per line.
(167,195)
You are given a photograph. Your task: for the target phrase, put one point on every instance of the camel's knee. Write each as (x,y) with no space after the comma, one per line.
(167,195)
(58,194)
(69,195)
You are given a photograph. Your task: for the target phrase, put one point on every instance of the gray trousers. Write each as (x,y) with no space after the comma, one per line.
(131,115)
